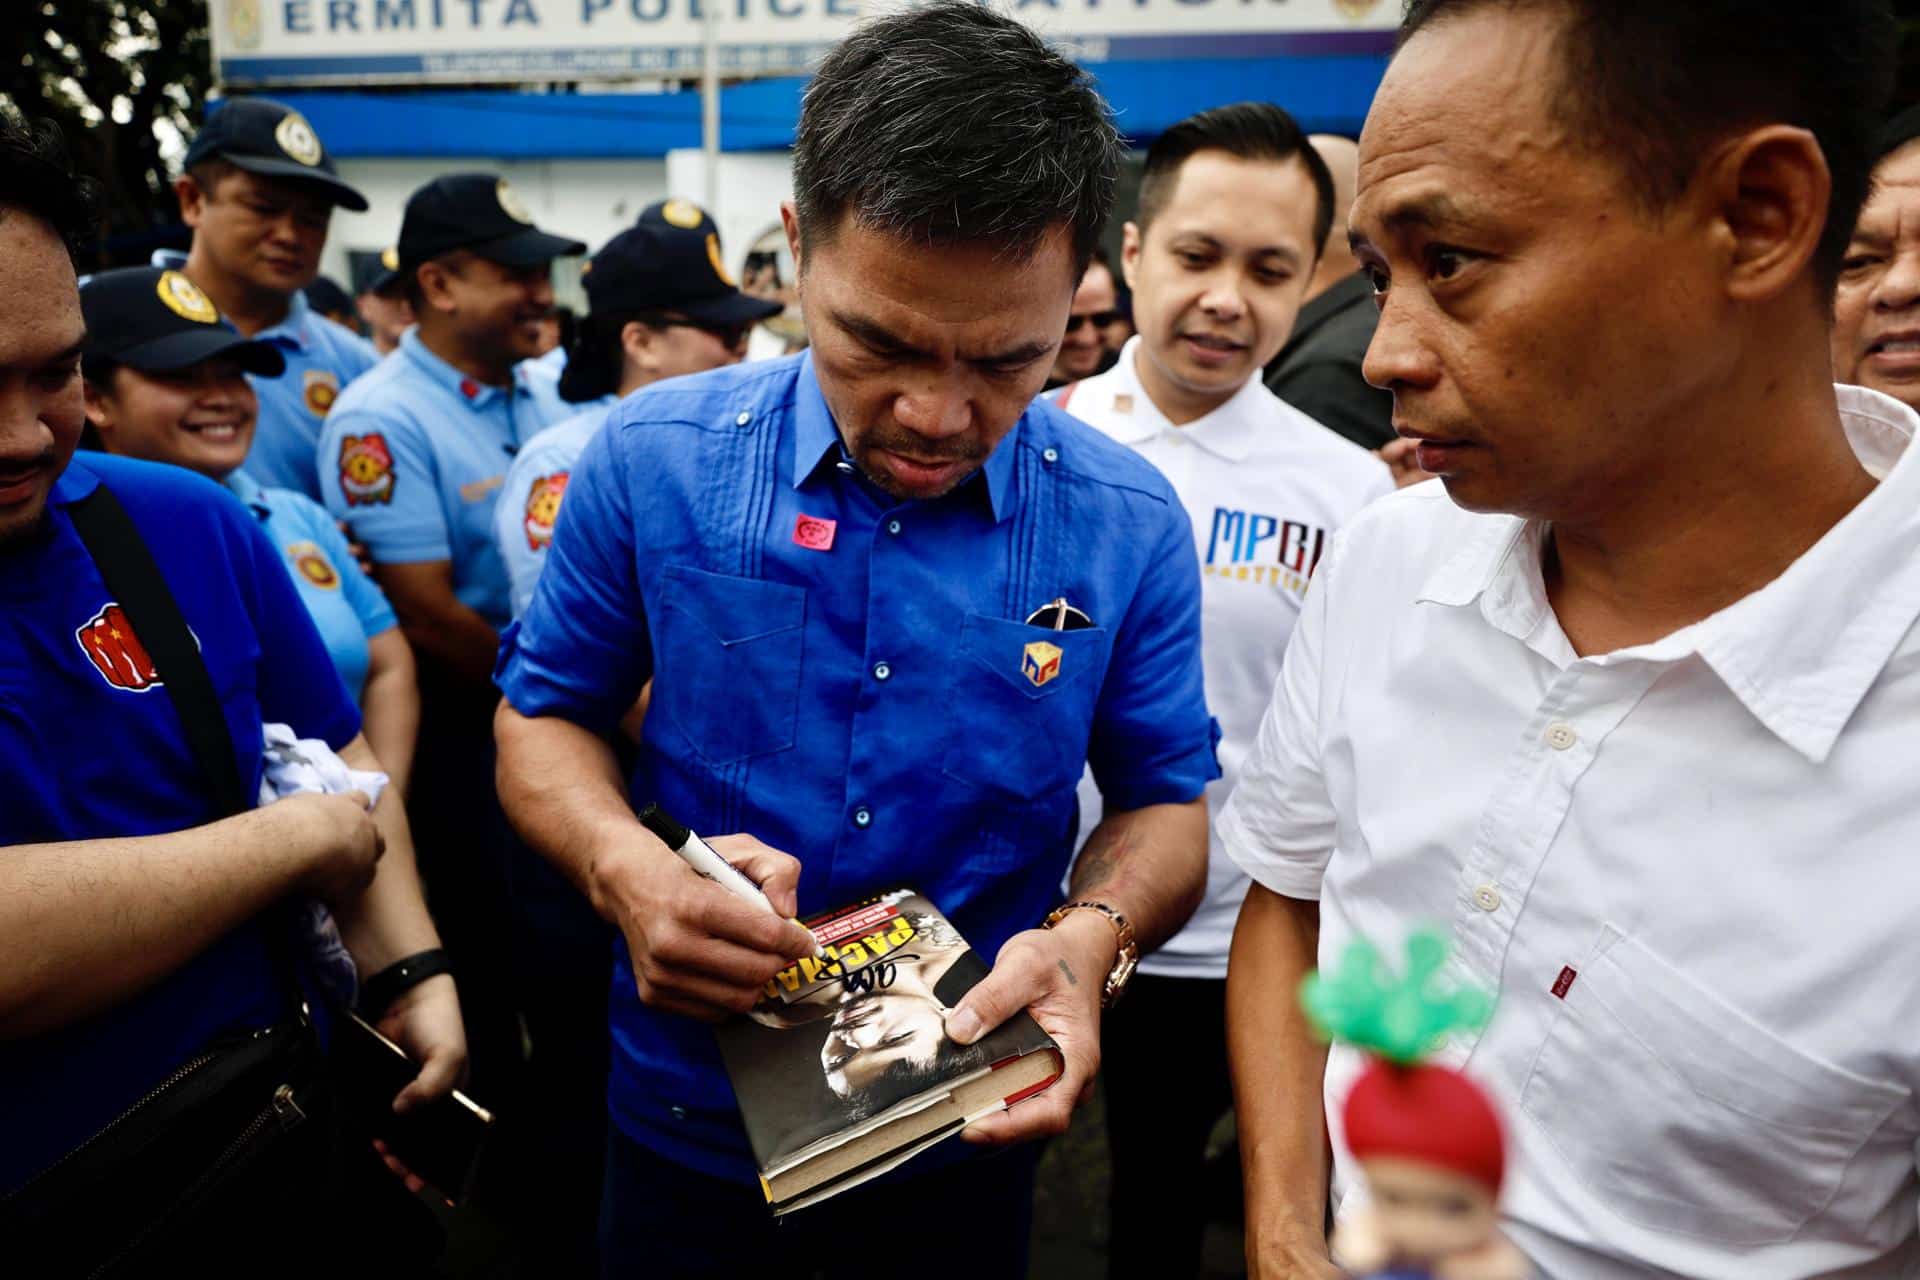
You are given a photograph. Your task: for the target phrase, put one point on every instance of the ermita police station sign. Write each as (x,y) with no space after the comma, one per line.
(317,42)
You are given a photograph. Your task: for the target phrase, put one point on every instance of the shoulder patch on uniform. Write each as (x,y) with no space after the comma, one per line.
(108,640)
(314,567)
(543,508)
(366,470)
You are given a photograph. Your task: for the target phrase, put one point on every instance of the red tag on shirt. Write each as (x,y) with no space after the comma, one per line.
(1564,983)
(469,388)
(814,533)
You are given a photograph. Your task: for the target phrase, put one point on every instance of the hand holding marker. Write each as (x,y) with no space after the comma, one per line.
(699,855)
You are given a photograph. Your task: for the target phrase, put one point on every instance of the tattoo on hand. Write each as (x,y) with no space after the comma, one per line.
(1071,980)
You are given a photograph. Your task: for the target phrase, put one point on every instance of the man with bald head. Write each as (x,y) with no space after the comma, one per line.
(1876,309)
(1318,371)
(1628,703)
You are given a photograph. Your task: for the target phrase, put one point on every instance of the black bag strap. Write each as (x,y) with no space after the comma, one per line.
(128,568)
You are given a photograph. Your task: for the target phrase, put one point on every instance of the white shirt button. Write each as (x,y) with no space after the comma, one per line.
(882,671)
(893,527)
(862,817)
(1560,735)
(743,419)
(1051,455)
(1487,898)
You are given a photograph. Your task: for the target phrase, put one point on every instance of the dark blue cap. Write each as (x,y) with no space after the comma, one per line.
(273,140)
(669,260)
(480,213)
(156,320)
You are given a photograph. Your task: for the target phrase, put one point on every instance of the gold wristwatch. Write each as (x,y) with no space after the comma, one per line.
(1124,963)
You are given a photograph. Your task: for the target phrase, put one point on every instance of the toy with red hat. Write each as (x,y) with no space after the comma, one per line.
(1426,1137)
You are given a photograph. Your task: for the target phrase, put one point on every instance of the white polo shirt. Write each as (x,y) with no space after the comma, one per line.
(1264,487)
(1690,868)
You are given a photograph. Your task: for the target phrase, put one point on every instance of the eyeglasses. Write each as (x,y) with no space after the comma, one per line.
(1098,319)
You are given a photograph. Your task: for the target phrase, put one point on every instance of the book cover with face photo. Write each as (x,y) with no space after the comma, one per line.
(844,1069)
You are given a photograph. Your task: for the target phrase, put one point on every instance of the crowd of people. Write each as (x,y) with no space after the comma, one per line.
(336,666)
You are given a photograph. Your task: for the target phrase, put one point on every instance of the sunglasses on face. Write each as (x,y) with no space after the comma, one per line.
(1098,319)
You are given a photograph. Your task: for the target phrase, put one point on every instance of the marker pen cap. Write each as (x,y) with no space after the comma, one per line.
(671,833)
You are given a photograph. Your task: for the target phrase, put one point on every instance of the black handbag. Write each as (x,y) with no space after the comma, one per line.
(197,1168)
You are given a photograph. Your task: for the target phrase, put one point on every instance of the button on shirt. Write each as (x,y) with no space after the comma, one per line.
(346,606)
(1686,866)
(530,499)
(713,539)
(1263,485)
(415,454)
(322,358)
(90,747)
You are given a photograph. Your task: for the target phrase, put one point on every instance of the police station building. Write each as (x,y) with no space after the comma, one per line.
(593,109)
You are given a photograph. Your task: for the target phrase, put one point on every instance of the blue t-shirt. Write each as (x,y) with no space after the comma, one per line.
(322,359)
(414,455)
(90,747)
(347,606)
(850,677)
(530,499)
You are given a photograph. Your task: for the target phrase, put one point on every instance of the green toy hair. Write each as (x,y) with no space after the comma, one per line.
(1400,1018)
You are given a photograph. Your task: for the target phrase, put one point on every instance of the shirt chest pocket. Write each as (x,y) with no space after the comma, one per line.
(1027,695)
(1683,1115)
(729,668)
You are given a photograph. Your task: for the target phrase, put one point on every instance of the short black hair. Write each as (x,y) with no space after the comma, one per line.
(596,356)
(1652,84)
(954,124)
(35,175)
(1249,130)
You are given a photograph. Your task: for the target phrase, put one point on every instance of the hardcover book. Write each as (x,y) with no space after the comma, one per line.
(844,1071)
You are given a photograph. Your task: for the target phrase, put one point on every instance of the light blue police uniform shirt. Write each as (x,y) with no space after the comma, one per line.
(413,457)
(323,359)
(850,676)
(530,499)
(348,608)
(91,747)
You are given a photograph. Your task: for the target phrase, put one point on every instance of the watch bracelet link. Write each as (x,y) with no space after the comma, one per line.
(1124,963)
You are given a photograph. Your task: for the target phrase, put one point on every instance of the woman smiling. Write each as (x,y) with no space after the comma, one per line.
(166,382)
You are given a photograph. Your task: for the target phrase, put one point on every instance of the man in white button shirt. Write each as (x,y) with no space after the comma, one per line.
(1234,206)
(1631,705)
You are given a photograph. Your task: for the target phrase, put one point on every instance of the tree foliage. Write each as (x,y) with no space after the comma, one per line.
(125,80)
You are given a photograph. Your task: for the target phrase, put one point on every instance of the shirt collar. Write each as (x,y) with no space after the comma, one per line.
(75,483)
(294,329)
(817,444)
(1227,432)
(476,394)
(248,490)
(1801,652)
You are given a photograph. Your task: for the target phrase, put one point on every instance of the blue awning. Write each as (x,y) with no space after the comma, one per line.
(1327,93)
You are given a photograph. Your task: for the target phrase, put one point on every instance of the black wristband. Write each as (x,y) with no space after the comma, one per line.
(386,986)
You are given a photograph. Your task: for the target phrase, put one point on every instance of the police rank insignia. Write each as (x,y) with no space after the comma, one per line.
(1040,662)
(313,565)
(297,138)
(116,653)
(366,470)
(183,297)
(684,214)
(543,508)
(510,203)
(321,388)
